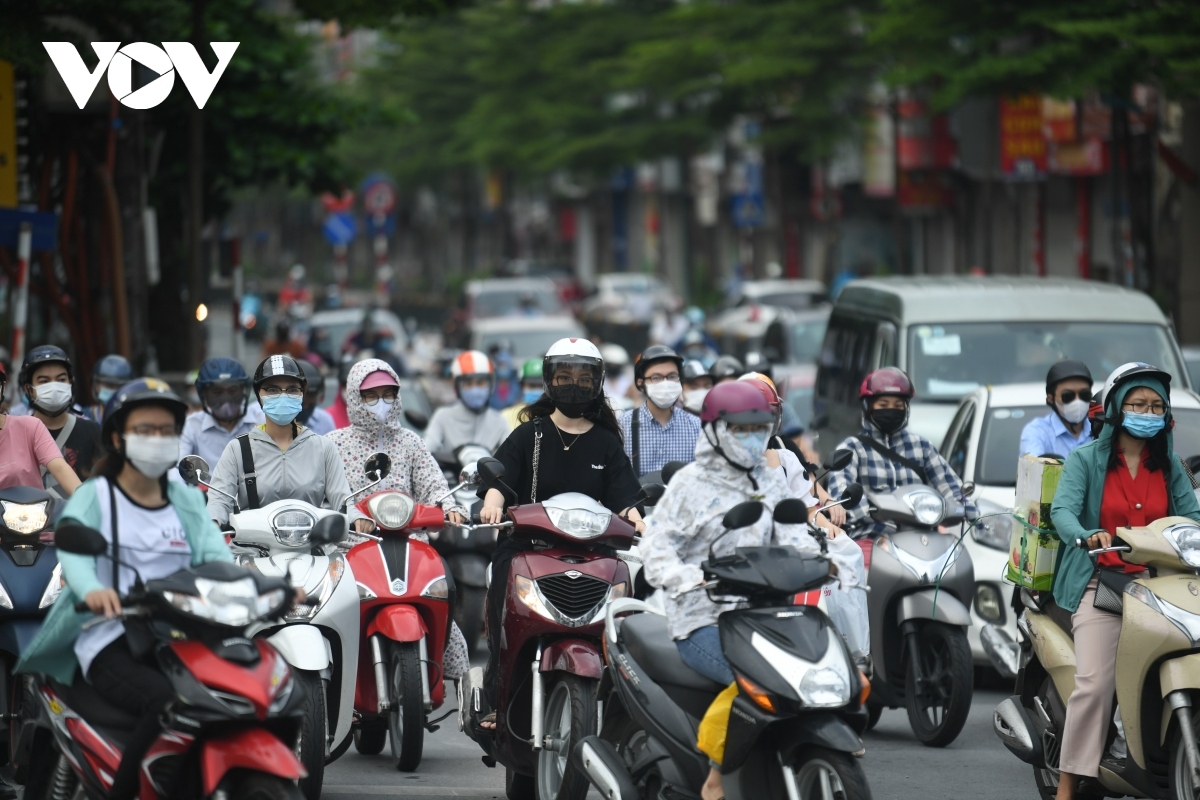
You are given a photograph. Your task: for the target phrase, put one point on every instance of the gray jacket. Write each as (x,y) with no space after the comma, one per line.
(454,425)
(310,470)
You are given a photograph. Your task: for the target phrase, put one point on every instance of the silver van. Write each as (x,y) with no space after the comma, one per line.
(954,334)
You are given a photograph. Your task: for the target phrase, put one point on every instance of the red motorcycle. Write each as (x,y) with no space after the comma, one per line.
(551,660)
(231,732)
(405,620)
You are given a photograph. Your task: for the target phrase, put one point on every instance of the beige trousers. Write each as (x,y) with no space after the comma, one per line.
(1089,710)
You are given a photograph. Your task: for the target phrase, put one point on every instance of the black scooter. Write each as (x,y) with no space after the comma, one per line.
(795,724)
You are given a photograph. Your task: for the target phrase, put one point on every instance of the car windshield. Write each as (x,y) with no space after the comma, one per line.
(793,300)
(515,303)
(807,336)
(949,361)
(526,343)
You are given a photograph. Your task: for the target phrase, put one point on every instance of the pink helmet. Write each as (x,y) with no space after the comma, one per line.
(886,381)
(738,403)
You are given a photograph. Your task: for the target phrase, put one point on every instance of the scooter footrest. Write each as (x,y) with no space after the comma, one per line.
(488,761)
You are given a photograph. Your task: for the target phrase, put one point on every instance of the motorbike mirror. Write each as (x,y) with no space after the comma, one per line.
(792,511)
(742,515)
(839,460)
(469,476)
(378,466)
(491,471)
(669,469)
(81,540)
(653,493)
(968,489)
(194,470)
(416,419)
(852,494)
(330,529)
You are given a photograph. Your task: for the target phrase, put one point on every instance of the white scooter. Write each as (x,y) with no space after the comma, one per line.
(320,641)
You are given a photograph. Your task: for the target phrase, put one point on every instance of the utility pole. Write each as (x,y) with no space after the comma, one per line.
(195,216)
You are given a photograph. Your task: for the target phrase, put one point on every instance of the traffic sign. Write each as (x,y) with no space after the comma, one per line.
(339,228)
(379,195)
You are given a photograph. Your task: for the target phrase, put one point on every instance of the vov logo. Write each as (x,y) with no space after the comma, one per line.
(172,57)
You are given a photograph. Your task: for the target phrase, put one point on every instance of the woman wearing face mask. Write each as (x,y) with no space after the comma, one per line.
(729,468)
(580,451)
(159,527)
(373,405)
(1128,477)
(470,420)
(887,455)
(1069,394)
(285,460)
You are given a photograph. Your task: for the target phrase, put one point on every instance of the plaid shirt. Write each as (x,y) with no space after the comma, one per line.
(879,474)
(676,441)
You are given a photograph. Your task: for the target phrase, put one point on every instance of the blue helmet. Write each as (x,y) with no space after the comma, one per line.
(112,369)
(220,369)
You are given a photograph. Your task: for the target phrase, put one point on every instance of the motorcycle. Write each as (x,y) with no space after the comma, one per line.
(550,663)
(921,582)
(467,550)
(319,641)
(794,726)
(231,729)
(1157,668)
(405,616)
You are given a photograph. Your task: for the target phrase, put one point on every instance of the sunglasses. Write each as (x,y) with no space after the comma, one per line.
(1069,395)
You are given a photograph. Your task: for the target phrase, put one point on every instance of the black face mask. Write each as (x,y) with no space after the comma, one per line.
(573,401)
(888,420)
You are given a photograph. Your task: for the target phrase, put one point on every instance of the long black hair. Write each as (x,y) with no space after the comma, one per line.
(601,412)
(1158,458)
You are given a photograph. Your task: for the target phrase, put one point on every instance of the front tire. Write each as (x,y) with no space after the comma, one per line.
(1180,781)
(570,716)
(823,773)
(406,718)
(314,732)
(371,736)
(518,786)
(257,786)
(940,701)
(874,712)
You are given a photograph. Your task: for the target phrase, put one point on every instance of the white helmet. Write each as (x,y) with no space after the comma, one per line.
(614,356)
(579,353)
(1130,370)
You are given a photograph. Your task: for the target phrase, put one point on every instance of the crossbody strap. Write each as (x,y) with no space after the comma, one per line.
(60,442)
(891,454)
(634,427)
(248,473)
(116,536)
(537,452)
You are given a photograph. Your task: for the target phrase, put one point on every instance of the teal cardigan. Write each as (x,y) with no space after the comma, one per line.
(53,649)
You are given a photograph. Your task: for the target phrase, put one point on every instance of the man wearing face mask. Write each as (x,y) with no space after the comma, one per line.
(1069,393)
(312,416)
(110,373)
(47,380)
(887,455)
(531,391)
(658,432)
(470,420)
(224,390)
(696,384)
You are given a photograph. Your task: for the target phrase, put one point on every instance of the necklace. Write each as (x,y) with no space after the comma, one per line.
(564,441)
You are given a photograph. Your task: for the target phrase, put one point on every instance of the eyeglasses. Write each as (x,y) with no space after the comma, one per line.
(1069,395)
(653,379)
(372,399)
(153,430)
(272,392)
(1157,409)
(570,380)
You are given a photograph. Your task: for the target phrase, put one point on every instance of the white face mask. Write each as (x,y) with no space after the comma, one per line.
(53,398)
(1075,411)
(381,409)
(665,393)
(152,455)
(693,399)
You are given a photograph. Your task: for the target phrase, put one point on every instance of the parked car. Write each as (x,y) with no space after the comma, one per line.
(955,334)
(982,446)
(512,297)
(529,337)
(333,328)
(1191,359)
(785,337)
(792,293)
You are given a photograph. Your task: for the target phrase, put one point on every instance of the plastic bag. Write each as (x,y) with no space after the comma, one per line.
(848,607)
(710,736)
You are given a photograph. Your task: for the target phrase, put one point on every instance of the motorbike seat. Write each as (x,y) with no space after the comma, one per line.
(83,698)
(652,648)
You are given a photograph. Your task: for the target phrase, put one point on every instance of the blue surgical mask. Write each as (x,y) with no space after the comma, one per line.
(283,409)
(754,443)
(1143,426)
(531,396)
(475,397)
(104,395)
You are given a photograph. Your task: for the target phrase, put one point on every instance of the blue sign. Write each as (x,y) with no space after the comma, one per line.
(381,224)
(749,209)
(339,228)
(45,228)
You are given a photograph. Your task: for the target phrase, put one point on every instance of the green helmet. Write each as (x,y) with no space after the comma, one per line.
(531,369)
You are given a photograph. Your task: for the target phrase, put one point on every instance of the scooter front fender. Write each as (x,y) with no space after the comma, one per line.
(920,605)
(303,647)
(822,730)
(254,749)
(1177,674)
(400,623)
(576,656)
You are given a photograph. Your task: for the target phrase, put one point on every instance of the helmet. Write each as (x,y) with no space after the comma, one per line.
(758,376)
(471,362)
(1065,370)
(220,369)
(312,375)
(614,356)
(726,367)
(767,387)
(694,315)
(886,381)
(578,352)
(738,403)
(693,337)
(274,366)
(44,354)
(757,362)
(112,369)
(652,355)
(531,370)
(142,392)
(1127,372)
(693,369)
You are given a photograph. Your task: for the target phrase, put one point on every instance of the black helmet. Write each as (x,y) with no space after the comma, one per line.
(1065,370)
(652,355)
(726,367)
(44,354)
(692,369)
(275,366)
(142,392)
(312,375)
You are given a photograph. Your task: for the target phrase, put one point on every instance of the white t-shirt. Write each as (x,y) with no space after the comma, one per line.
(152,541)
(797,479)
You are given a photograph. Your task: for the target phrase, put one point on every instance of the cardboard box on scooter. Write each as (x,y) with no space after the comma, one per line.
(1033,549)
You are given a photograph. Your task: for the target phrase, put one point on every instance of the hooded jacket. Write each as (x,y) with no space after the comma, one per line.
(687,520)
(414,470)
(1076,508)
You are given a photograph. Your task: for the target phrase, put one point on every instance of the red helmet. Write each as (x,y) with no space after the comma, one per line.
(738,403)
(886,381)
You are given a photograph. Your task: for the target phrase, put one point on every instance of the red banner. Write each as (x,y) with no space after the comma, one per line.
(1022,140)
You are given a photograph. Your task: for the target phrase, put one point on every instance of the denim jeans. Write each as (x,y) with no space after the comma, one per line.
(702,652)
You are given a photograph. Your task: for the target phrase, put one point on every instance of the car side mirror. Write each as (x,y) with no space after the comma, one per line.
(416,419)
(491,471)
(792,511)
(329,529)
(852,495)
(194,470)
(742,515)
(81,540)
(839,460)
(378,466)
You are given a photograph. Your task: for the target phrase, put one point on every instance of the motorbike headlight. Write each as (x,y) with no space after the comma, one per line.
(292,526)
(53,588)
(825,684)
(1185,538)
(927,505)
(391,510)
(25,517)
(323,591)
(993,531)
(437,589)
(528,594)
(579,522)
(232,603)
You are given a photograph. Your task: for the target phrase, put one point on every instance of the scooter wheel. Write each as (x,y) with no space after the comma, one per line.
(371,736)
(406,720)
(874,712)
(1180,774)
(518,786)
(570,716)
(314,732)
(940,701)
(817,767)
(256,786)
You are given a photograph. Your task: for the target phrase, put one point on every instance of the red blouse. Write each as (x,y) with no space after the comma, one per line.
(1130,502)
